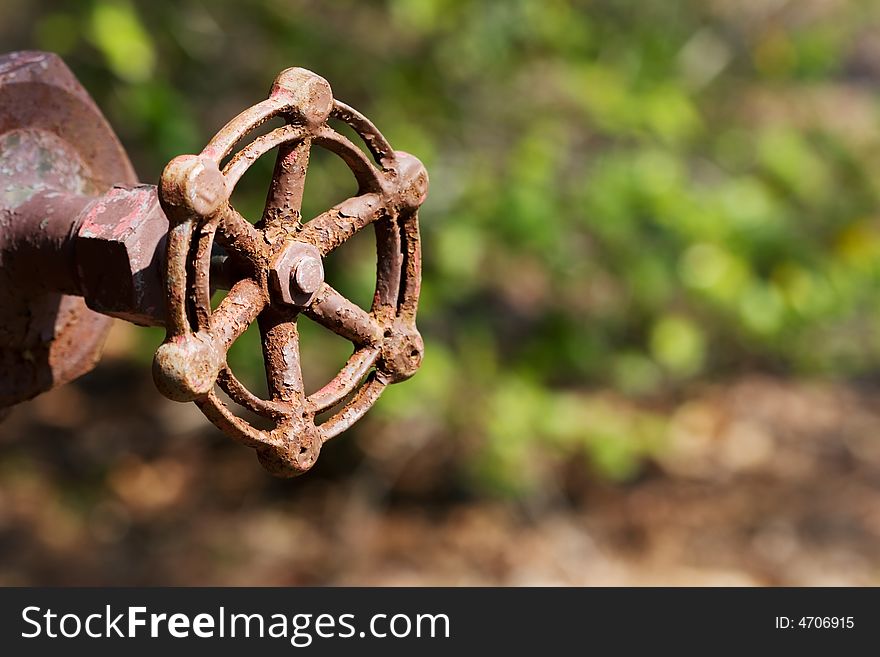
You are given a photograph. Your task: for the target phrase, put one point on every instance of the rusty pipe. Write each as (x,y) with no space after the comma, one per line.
(38,242)
(108,250)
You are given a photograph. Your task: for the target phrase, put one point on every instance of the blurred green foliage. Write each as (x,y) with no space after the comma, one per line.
(626,195)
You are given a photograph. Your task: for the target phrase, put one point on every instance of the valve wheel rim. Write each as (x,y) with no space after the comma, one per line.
(293,445)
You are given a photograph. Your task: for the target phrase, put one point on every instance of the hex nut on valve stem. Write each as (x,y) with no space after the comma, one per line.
(297,274)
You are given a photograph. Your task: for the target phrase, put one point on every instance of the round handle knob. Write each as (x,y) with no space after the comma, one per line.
(283,274)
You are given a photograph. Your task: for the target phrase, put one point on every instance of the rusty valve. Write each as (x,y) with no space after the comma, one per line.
(80,239)
(281,274)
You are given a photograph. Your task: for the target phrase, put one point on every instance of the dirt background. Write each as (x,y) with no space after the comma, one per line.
(766,482)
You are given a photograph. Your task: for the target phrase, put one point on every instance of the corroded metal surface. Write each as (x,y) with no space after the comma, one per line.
(281,275)
(77,230)
(119,250)
(56,151)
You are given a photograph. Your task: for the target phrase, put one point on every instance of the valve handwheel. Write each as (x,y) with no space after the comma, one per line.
(280,258)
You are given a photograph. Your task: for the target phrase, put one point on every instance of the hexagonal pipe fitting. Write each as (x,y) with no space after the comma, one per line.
(118,249)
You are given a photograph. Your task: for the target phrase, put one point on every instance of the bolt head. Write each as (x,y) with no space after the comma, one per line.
(296,274)
(308,274)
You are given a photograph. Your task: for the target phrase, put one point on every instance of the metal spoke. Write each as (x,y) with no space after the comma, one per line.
(284,200)
(330,229)
(235,313)
(239,237)
(281,353)
(333,311)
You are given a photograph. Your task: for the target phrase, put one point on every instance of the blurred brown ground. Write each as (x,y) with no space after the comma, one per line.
(766,482)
